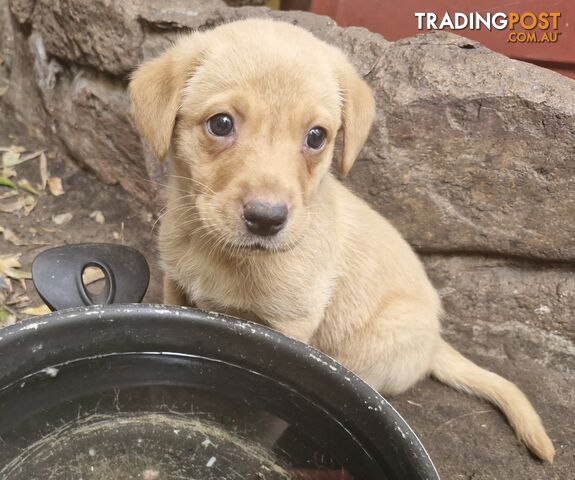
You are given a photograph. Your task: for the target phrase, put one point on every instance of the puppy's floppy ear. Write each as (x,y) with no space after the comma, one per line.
(358,111)
(156,92)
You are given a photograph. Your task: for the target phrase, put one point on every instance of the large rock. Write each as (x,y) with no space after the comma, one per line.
(99,33)
(508,307)
(75,104)
(244,3)
(475,151)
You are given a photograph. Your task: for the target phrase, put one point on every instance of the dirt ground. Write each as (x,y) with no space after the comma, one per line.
(125,221)
(466,438)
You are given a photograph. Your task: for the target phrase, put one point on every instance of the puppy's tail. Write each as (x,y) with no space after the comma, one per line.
(453,369)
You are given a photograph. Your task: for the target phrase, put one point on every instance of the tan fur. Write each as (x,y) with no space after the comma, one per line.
(338,276)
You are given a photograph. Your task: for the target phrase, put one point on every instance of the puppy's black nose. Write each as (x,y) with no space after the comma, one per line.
(265,218)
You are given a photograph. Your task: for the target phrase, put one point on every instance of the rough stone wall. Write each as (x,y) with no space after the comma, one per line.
(244,3)
(472,156)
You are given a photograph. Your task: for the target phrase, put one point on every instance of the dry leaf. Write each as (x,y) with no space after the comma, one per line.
(115,235)
(36,311)
(18,274)
(63,218)
(29,204)
(9,261)
(43,170)
(98,216)
(31,156)
(11,207)
(55,186)
(18,300)
(11,157)
(9,194)
(11,237)
(25,185)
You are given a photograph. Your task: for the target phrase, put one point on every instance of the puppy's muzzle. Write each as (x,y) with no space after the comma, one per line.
(265,218)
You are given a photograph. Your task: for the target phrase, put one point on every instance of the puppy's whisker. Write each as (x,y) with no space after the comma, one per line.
(205,230)
(170,211)
(160,184)
(162,214)
(197,182)
(192,219)
(186,192)
(219,241)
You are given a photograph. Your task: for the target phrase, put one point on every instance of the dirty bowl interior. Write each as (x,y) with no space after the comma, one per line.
(153,392)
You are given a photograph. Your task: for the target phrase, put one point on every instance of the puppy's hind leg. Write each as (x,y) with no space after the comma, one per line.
(394,349)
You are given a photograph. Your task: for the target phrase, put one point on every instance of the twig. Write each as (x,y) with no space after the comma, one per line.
(470,414)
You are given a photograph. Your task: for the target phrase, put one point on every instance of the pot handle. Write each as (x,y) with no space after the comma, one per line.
(57,275)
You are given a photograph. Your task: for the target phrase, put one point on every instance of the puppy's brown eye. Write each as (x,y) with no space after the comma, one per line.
(220,125)
(315,138)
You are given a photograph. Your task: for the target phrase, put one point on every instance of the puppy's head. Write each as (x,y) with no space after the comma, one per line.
(250,111)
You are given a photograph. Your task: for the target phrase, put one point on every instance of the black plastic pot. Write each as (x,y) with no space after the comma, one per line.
(163,392)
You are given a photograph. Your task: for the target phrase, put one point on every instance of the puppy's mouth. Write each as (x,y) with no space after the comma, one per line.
(256,245)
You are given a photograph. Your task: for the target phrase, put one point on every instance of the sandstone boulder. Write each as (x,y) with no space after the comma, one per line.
(99,34)
(507,307)
(474,151)
(243,3)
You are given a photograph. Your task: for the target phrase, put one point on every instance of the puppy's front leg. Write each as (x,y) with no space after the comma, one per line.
(301,328)
(173,295)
